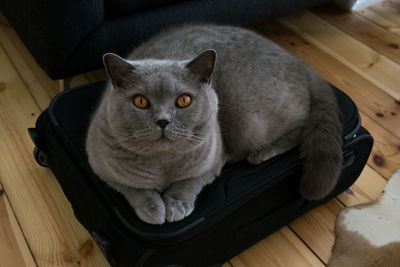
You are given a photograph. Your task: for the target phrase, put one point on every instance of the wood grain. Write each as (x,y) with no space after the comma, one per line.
(357,56)
(385,155)
(362,29)
(367,188)
(385,14)
(369,99)
(44,214)
(14,251)
(315,228)
(281,249)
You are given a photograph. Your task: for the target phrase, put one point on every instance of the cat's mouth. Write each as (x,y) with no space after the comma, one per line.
(164,136)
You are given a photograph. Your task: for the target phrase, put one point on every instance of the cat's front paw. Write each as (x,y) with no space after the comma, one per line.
(257,157)
(152,212)
(176,208)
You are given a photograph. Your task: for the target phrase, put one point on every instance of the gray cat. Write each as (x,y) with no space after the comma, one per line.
(196,97)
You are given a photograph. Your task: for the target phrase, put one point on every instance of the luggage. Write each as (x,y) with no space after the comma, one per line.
(245,204)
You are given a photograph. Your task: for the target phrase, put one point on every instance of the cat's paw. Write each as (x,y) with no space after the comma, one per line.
(177,209)
(152,211)
(256,157)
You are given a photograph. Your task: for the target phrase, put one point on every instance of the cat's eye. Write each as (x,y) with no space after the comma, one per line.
(140,101)
(183,101)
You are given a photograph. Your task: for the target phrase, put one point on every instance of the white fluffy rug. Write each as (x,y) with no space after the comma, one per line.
(369,234)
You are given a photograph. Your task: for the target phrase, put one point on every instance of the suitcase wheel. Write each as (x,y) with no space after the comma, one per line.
(105,244)
(41,157)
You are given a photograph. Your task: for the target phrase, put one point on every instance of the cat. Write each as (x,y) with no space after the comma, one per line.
(196,97)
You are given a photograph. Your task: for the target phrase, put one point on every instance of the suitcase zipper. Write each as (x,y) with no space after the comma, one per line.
(353,134)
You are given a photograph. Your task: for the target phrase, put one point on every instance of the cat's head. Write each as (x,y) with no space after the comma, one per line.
(161,105)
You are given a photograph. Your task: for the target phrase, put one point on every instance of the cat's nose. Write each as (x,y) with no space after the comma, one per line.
(163,123)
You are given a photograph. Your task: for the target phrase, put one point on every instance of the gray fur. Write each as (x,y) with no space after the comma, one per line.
(254,101)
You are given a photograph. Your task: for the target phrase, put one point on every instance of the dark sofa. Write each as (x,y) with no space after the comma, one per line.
(68,37)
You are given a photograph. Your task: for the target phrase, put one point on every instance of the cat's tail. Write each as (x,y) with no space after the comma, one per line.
(321,145)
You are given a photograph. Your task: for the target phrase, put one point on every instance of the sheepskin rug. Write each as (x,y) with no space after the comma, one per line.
(369,234)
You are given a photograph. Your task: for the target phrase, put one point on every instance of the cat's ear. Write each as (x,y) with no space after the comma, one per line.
(203,65)
(120,71)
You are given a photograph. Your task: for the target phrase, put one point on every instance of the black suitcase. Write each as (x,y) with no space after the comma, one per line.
(245,204)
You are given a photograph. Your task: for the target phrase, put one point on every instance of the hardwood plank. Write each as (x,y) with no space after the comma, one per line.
(44,214)
(367,188)
(385,14)
(363,60)
(14,250)
(79,80)
(369,98)
(315,228)
(37,81)
(282,248)
(385,155)
(365,31)
(86,78)
(97,75)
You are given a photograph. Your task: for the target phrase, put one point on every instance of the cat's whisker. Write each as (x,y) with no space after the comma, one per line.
(199,138)
(192,138)
(180,124)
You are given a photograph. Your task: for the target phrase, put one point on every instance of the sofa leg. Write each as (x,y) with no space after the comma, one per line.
(64,84)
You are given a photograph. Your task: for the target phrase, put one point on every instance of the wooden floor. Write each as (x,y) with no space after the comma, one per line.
(359,53)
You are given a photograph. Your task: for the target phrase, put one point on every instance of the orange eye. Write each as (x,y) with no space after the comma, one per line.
(140,101)
(183,101)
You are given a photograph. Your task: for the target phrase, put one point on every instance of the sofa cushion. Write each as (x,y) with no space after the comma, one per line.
(121,34)
(69,37)
(125,7)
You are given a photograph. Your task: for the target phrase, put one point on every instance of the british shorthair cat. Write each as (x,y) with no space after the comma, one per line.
(196,97)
